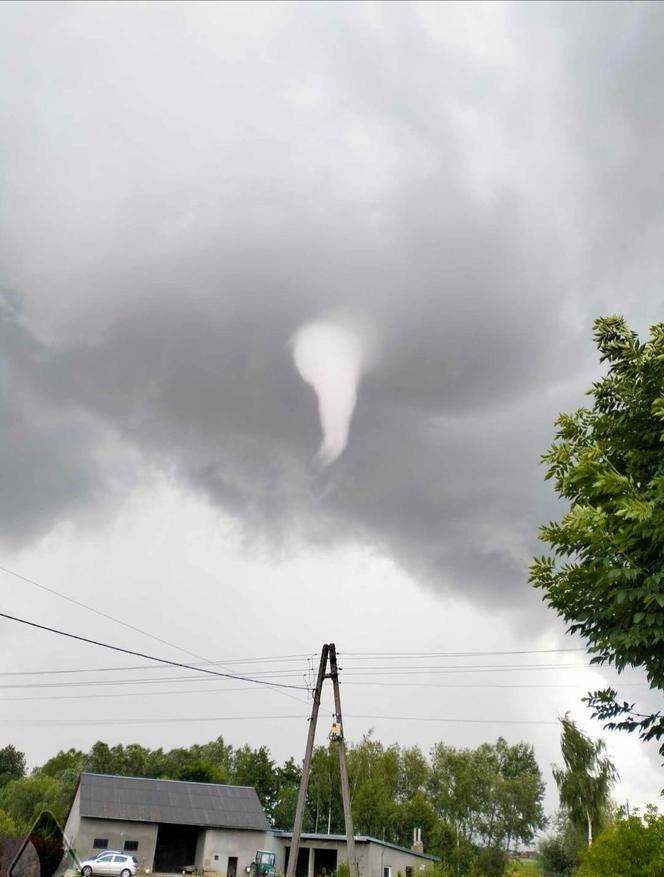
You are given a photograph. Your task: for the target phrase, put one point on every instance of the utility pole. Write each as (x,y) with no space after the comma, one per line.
(343,770)
(304,783)
(328,653)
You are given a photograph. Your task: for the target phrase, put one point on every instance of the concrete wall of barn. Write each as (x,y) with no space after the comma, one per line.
(372,858)
(73,823)
(220,844)
(116,831)
(382,857)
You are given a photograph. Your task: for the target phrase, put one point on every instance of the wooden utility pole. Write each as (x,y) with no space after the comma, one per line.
(306,766)
(343,770)
(328,653)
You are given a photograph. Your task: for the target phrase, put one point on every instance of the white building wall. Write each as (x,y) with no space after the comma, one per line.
(117,831)
(372,858)
(222,843)
(73,823)
(382,857)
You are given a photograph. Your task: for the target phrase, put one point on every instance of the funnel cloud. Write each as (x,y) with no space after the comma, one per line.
(329,358)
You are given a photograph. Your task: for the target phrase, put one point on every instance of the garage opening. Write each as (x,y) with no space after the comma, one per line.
(325,862)
(302,869)
(176,848)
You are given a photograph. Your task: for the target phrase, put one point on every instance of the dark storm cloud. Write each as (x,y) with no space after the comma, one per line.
(51,462)
(184,186)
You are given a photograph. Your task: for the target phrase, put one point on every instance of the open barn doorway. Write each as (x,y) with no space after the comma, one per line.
(176,848)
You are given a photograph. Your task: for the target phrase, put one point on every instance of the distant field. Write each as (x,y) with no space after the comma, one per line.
(526,868)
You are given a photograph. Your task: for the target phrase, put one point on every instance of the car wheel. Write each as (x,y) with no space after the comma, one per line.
(125,873)
(87,871)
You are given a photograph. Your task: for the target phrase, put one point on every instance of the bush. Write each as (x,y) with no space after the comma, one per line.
(559,853)
(7,825)
(631,847)
(491,862)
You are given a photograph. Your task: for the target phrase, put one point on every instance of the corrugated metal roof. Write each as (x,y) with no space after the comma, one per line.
(140,799)
(359,838)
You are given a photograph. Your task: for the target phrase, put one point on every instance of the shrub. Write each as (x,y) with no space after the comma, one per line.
(632,847)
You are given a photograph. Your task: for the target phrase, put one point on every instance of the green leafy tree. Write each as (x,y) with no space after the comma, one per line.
(417,812)
(288,786)
(216,752)
(492,795)
(520,794)
(585,782)
(24,799)
(373,774)
(454,787)
(414,771)
(199,771)
(630,847)
(63,763)
(254,767)
(325,808)
(12,764)
(100,759)
(605,575)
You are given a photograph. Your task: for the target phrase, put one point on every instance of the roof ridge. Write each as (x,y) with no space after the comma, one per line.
(123,776)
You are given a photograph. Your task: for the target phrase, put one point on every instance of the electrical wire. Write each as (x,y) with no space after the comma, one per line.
(119,668)
(64,723)
(119,621)
(195,719)
(377,655)
(96,683)
(207,691)
(99,612)
(135,654)
(455,721)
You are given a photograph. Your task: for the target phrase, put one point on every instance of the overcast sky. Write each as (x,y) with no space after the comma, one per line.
(456,189)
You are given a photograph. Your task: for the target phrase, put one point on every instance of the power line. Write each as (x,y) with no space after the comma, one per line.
(120,668)
(96,683)
(449,667)
(376,655)
(89,683)
(64,723)
(101,614)
(443,671)
(484,685)
(132,682)
(457,721)
(276,674)
(293,671)
(112,618)
(56,723)
(261,678)
(127,694)
(124,651)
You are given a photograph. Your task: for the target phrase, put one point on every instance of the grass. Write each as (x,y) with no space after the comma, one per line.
(524,868)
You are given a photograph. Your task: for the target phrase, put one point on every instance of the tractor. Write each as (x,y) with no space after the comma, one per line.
(263,864)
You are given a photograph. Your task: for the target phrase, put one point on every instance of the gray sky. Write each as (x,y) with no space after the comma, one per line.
(184,186)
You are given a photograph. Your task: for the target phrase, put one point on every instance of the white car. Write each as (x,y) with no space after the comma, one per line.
(115,864)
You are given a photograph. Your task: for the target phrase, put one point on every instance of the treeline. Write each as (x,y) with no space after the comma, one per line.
(471,804)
